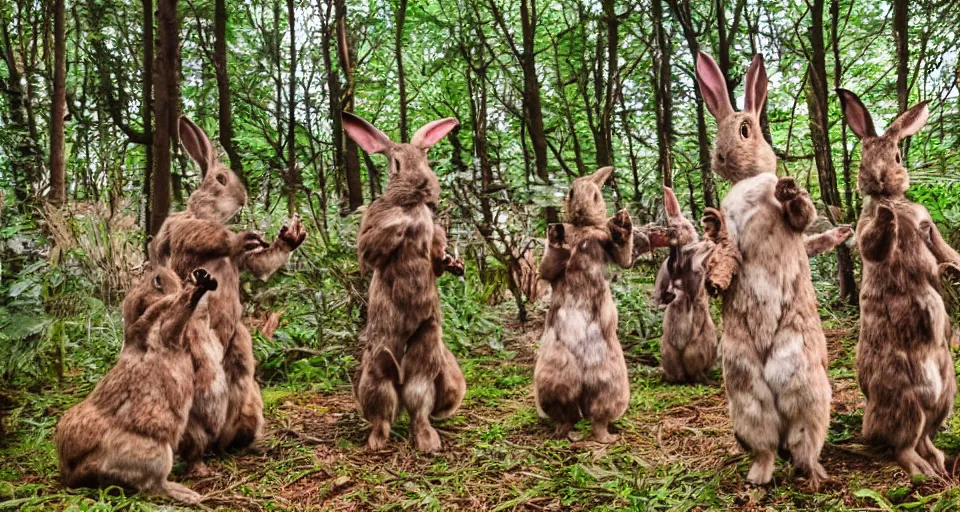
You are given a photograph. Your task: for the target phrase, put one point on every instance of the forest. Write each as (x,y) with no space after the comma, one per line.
(94,158)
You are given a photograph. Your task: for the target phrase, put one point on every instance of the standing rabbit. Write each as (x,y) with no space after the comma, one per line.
(774,351)
(228,408)
(126,431)
(405,363)
(688,347)
(904,366)
(580,370)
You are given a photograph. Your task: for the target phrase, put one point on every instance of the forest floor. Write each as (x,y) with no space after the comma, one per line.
(676,452)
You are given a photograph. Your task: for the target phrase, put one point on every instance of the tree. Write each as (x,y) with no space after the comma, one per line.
(224,101)
(819,122)
(351,153)
(58,111)
(166,76)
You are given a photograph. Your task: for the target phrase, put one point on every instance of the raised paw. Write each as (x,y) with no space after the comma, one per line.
(842,233)
(293,234)
(556,234)
(661,237)
(203,279)
(454,266)
(714,225)
(787,189)
(620,225)
(251,241)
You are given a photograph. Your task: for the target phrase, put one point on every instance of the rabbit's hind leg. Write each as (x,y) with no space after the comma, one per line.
(450,387)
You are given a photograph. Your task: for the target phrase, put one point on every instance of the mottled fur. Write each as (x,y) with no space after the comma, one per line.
(904,365)
(228,409)
(580,369)
(688,347)
(827,241)
(405,363)
(125,432)
(774,351)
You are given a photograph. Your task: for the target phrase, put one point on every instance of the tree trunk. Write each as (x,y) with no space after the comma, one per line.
(147,113)
(333,91)
(351,153)
(531,89)
(57,195)
(293,176)
(819,121)
(681,12)
(401,16)
(605,142)
(661,96)
(224,101)
(837,83)
(901,36)
(27,155)
(166,75)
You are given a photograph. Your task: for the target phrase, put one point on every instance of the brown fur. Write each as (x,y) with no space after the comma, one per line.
(904,365)
(774,351)
(580,369)
(405,363)
(124,433)
(227,411)
(827,241)
(688,347)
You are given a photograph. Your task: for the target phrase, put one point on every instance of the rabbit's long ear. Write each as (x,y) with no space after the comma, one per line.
(602,176)
(197,144)
(856,114)
(756,85)
(713,87)
(670,203)
(365,134)
(909,122)
(431,133)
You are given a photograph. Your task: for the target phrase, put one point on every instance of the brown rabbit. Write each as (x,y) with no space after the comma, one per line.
(688,347)
(125,432)
(405,363)
(580,370)
(904,366)
(774,351)
(228,409)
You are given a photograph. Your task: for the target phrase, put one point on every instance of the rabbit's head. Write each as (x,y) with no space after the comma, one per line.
(584,205)
(221,194)
(412,181)
(681,230)
(739,149)
(881,164)
(157,282)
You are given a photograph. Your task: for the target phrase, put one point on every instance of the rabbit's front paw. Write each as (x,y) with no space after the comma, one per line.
(787,189)
(293,234)
(949,270)
(454,266)
(203,279)
(556,234)
(714,225)
(620,225)
(250,241)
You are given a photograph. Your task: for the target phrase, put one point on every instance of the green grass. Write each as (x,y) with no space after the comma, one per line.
(676,450)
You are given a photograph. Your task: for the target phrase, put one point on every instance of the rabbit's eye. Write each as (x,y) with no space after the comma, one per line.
(396,166)
(897,158)
(222,179)
(745,130)
(157,284)
(570,195)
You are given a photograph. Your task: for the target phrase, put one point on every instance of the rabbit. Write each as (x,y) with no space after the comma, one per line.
(125,432)
(904,366)
(405,363)
(774,353)
(228,408)
(580,371)
(688,347)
